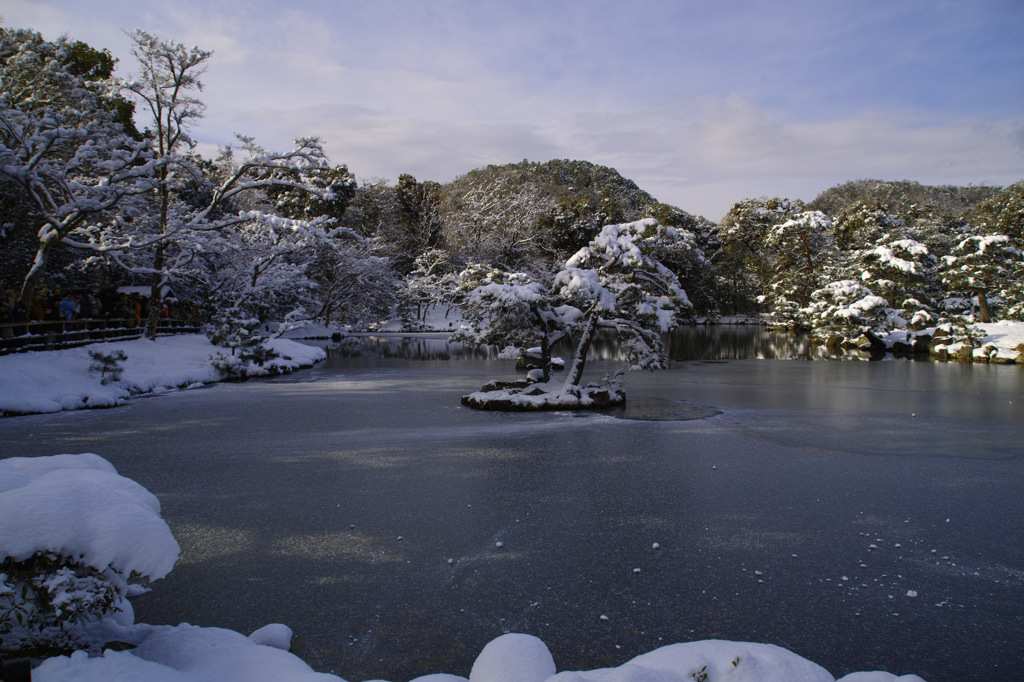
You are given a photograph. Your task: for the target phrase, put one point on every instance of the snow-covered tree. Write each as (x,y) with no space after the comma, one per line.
(432,282)
(690,257)
(75,535)
(898,270)
(62,147)
(746,261)
(256,265)
(618,286)
(514,311)
(613,284)
(175,230)
(862,224)
(803,250)
(841,312)
(982,265)
(496,219)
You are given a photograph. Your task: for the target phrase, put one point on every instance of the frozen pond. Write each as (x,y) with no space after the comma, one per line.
(360,504)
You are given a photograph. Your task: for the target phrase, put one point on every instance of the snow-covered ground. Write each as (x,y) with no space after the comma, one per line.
(1004,339)
(77,505)
(191,654)
(1001,342)
(51,381)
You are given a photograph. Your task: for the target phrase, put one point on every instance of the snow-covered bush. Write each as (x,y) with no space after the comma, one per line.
(233,329)
(74,534)
(47,592)
(841,312)
(107,364)
(786,314)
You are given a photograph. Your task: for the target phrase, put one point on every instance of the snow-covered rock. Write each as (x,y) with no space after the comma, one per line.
(276,635)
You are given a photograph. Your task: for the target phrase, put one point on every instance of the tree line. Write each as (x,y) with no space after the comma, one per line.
(100,185)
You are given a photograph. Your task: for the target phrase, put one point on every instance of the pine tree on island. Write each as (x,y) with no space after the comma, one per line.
(615,283)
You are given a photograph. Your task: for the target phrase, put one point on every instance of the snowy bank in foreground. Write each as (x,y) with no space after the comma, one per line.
(191,654)
(77,505)
(51,381)
(72,534)
(80,506)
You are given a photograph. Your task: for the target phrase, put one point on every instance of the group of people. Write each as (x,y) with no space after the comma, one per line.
(107,304)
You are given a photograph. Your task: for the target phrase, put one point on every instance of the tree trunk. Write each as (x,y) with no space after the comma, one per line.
(545,346)
(984,315)
(580,360)
(34,277)
(155,294)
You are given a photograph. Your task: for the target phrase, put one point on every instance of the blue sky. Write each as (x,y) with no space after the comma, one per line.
(701,103)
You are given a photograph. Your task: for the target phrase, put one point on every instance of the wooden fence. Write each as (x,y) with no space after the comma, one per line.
(17,337)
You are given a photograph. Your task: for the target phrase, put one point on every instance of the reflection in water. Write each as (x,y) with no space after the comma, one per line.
(422,347)
(688,343)
(736,342)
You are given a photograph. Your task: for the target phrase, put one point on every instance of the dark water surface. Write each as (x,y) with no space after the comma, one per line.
(360,504)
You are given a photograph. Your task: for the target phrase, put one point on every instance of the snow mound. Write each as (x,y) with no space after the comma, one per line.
(879,677)
(710,660)
(185,653)
(513,658)
(276,635)
(78,505)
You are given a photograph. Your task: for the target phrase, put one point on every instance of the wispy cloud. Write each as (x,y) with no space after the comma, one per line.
(702,103)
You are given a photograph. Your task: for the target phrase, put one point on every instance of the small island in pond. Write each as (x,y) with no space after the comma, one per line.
(614,283)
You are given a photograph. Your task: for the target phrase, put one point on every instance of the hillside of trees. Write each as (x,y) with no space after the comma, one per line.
(100,187)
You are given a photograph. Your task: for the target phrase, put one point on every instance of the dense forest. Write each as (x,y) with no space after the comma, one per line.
(100,187)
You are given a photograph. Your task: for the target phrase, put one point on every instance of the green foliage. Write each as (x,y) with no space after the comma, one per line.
(744,235)
(803,249)
(903,197)
(983,265)
(1002,213)
(861,223)
(570,201)
(840,313)
(107,364)
(896,269)
(42,597)
(337,184)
